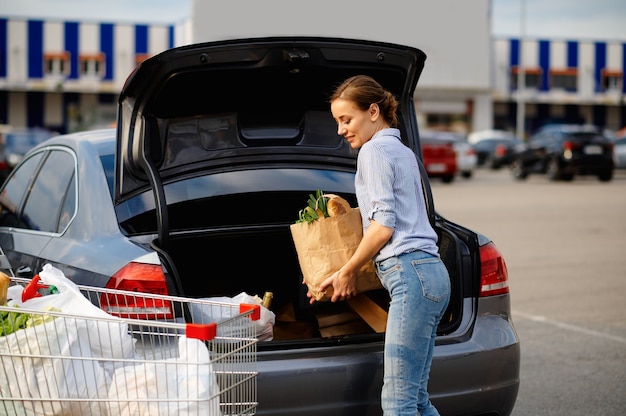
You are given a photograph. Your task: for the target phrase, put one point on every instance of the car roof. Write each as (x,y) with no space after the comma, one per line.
(102,140)
(570,128)
(477,136)
(441,135)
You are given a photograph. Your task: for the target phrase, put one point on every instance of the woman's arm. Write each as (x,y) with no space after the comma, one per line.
(343,281)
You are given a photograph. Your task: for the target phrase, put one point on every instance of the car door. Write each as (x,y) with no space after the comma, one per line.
(537,148)
(37,203)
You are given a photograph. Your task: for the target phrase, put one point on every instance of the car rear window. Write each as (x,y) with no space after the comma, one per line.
(584,136)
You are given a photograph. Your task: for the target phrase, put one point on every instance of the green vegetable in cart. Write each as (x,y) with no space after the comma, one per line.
(12,321)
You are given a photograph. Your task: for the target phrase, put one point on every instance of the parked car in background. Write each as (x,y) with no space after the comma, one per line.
(476,136)
(183,185)
(14,143)
(495,153)
(619,152)
(440,157)
(466,159)
(562,151)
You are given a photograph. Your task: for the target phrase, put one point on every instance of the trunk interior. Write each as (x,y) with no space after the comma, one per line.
(226,260)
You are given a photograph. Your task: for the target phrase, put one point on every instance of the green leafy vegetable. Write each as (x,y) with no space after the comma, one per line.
(315,209)
(12,321)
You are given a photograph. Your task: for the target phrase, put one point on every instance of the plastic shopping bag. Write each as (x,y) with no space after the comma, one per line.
(108,339)
(47,362)
(182,386)
(206,313)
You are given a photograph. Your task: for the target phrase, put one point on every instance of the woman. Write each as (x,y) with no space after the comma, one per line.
(398,236)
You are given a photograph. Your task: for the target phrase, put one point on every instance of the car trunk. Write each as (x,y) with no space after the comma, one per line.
(225,260)
(220,144)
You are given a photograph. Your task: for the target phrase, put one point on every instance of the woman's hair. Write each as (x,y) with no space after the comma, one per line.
(364,91)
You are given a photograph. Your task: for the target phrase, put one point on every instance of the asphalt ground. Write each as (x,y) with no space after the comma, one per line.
(565,248)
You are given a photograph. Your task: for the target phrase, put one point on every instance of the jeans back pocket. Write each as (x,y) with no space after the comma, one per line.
(434,278)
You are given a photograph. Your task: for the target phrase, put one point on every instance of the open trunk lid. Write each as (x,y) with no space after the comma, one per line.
(208,133)
(266,95)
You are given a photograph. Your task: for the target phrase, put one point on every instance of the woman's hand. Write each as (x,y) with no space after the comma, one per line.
(343,283)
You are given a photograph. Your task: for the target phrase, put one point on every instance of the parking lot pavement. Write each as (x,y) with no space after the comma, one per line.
(564,246)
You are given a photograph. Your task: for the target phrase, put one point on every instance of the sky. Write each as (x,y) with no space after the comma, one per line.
(574,19)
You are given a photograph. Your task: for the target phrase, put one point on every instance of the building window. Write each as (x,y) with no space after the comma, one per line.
(564,79)
(92,65)
(56,64)
(612,80)
(532,78)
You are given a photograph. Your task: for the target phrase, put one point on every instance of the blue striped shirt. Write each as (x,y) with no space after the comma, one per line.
(389,190)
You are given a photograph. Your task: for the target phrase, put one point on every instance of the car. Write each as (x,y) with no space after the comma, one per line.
(561,151)
(476,136)
(14,143)
(497,152)
(619,152)
(466,160)
(440,157)
(217,148)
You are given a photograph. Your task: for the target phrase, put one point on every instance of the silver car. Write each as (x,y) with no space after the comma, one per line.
(619,152)
(217,148)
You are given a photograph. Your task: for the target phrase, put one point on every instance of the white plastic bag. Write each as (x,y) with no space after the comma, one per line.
(108,339)
(46,362)
(181,386)
(208,313)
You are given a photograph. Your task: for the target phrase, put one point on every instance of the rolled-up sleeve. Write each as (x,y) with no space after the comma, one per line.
(379,179)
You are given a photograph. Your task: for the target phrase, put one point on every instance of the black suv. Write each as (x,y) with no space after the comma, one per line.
(561,151)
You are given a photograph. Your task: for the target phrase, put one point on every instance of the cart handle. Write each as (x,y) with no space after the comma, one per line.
(256,310)
(203,332)
(31,290)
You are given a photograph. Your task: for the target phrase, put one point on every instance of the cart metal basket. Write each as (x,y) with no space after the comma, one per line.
(147,355)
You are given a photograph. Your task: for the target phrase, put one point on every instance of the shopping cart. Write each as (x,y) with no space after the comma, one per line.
(139,354)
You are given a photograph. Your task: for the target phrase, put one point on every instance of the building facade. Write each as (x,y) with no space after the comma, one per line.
(557,80)
(65,76)
(454,90)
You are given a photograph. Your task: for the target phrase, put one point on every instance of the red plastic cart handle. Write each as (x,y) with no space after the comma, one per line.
(256,310)
(32,289)
(203,332)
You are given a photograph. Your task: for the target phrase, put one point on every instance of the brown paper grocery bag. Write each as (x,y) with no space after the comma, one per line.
(325,245)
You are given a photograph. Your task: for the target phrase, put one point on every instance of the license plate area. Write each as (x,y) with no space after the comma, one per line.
(436,167)
(592,150)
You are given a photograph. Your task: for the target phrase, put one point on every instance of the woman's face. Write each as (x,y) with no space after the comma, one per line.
(355,125)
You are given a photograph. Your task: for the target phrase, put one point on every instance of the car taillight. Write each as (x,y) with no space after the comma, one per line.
(500,150)
(494,277)
(567,145)
(143,279)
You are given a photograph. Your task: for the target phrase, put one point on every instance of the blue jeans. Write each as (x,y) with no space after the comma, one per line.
(419,287)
